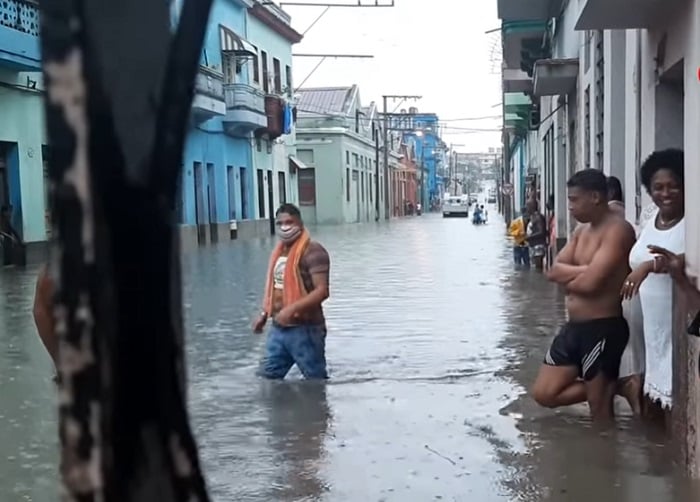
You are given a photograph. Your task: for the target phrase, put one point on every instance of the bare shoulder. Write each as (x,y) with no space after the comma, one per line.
(316,257)
(621,229)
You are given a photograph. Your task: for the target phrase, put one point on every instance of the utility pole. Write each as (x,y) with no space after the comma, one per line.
(385,99)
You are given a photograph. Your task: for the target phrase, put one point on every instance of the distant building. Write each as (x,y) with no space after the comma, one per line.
(22,138)
(340,177)
(423,130)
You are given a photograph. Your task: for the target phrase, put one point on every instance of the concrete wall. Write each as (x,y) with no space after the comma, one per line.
(22,125)
(331,150)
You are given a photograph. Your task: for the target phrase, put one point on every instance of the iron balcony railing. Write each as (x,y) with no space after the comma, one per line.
(244,96)
(20,15)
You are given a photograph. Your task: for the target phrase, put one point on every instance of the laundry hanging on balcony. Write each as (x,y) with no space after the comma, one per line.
(288,119)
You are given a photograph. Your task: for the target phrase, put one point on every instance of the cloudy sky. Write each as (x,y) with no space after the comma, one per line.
(437,49)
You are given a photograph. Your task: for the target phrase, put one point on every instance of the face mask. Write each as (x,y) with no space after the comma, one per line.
(288,233)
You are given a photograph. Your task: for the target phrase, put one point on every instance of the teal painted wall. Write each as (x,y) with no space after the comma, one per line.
(22,123)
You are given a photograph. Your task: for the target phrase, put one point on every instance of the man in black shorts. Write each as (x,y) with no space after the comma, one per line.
(584,360)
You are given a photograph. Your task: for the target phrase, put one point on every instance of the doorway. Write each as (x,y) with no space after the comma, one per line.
(271,202)
(211,199)
(199,204)
(261,194)
(243,178)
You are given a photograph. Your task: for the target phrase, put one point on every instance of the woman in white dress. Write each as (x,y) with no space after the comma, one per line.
(662,175)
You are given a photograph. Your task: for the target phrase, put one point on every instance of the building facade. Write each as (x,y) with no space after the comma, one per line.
(22,129)
(236,167)
(341,173)
(423,130)
(595,84)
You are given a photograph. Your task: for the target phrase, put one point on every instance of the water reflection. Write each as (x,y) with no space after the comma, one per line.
(433,340)
(298,420)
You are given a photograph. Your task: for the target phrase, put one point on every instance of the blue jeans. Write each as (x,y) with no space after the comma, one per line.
(304,346)
(521,255)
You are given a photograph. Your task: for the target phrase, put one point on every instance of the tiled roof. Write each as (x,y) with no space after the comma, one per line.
(322,100)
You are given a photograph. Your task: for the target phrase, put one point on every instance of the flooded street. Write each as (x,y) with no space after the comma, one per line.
(433,338)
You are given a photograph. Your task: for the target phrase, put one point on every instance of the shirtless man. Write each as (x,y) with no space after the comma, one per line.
(584,360)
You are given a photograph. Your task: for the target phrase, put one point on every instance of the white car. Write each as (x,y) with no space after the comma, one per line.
(456,206)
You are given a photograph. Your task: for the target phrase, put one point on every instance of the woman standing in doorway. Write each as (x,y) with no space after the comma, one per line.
(662,175)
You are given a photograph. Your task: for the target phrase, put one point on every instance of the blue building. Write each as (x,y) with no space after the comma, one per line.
(22,136)
(424,130)
(236,162)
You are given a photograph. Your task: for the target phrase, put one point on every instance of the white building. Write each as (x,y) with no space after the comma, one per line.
(603,84)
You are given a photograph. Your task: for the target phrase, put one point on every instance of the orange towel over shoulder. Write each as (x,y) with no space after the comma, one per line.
(294,288)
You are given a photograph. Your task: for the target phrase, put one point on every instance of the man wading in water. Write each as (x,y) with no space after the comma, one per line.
(592,268)
(296,287)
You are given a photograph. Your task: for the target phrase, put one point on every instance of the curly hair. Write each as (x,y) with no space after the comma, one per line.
(671,159)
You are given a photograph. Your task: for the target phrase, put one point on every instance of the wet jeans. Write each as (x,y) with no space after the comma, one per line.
(521,255)
(304,346)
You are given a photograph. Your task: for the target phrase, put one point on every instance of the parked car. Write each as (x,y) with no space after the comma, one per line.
(455,206)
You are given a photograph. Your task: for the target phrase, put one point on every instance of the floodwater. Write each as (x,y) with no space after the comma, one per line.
(433,340)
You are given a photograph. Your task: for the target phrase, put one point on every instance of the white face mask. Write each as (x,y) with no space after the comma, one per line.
(288,233)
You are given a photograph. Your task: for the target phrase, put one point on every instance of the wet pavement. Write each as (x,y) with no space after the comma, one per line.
(433,339)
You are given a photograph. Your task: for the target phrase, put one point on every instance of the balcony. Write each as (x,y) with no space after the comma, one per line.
(245,109)
(528,10)
(209,101)
(19,35)
(516,81)
(619,15)
(519,37)
(555,77)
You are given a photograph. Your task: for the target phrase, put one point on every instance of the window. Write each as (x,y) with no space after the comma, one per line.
(265,76)
(256,67)
(347,184)
(258,144)
(369,187)
(288,73)
(307,187)
(599,100)
(347,157)
(278,75)
(355,160)
(228,41)
(362,185)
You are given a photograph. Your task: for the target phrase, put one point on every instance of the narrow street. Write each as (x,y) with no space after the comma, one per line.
(432,341)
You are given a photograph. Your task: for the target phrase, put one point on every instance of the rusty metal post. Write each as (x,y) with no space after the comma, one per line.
(119,88)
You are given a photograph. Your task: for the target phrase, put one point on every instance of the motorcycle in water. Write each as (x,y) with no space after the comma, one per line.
(478,218)
(419,209)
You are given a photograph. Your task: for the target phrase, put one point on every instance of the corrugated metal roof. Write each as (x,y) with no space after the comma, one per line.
(330,100)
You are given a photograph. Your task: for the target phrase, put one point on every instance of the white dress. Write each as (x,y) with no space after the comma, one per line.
(655,295)
(633,360)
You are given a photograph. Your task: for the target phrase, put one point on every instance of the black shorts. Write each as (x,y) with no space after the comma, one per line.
(592,346)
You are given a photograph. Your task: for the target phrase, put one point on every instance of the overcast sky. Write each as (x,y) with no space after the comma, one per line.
(434,48)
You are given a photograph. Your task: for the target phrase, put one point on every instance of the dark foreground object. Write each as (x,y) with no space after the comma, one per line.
(117,108)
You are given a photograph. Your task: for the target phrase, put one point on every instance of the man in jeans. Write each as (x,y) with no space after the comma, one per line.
(296,287)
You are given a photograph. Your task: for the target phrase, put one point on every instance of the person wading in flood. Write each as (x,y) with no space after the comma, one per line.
(296,287)
(592,267)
